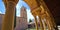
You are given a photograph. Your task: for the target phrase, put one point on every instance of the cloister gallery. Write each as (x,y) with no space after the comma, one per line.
(38,8)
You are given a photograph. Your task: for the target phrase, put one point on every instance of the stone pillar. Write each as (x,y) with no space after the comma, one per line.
(8,21)
(48,18)
(45,7)
(53,25)
(36,23)
(41,24)
(48,21)
(48,24)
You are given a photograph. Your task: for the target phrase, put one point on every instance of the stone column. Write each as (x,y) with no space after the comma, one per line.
(45,7)
(41,24)
(8,21)
(48,24)
(43,20)
(36,23)
(48,18)
(53,25)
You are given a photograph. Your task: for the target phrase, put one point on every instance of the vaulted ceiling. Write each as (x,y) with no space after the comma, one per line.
(54,8)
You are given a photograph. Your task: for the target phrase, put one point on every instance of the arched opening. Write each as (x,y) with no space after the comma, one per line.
(38,7)
(38,11)
(19,11)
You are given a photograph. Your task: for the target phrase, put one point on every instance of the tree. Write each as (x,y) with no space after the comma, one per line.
(30,20)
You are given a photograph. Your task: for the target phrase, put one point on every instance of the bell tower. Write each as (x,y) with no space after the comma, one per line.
(23,12)
(23,18)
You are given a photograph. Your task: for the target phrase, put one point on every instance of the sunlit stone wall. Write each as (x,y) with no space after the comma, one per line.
(20,22)
(1,16)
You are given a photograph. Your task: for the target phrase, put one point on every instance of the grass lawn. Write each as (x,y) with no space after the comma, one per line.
(33,29)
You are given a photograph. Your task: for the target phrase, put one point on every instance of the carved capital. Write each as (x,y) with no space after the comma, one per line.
(13,1)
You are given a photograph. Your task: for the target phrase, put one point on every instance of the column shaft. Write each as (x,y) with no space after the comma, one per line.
(36,23)
(44,24)
(48,24)
(41,24)
(8,21)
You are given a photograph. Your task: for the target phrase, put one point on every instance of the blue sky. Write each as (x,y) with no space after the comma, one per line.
(2,8)
(18,6)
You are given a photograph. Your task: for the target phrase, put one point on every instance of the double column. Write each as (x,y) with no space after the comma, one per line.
(8,20)
(41,24)
(36,23)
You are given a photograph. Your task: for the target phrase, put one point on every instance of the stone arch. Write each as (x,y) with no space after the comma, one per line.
(34,7)
(33,4)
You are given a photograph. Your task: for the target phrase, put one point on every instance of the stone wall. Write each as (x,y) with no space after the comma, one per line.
(1,17)
(21,24)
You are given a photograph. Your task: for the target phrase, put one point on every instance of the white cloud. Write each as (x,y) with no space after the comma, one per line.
(18,13)
(0,12)
(29,15)
(18,6)
(18,10)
